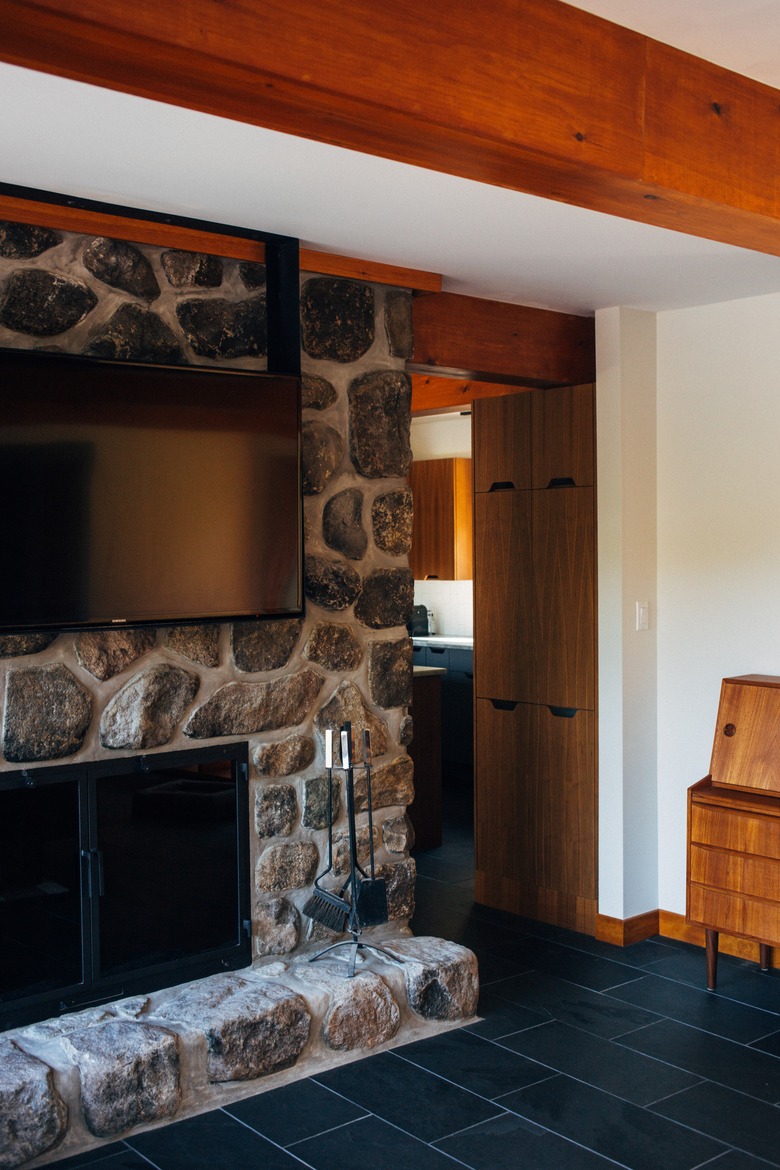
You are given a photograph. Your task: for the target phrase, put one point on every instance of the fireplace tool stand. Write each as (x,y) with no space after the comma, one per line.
(367,901)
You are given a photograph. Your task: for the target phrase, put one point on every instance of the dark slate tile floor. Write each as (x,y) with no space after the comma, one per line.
(586,1056)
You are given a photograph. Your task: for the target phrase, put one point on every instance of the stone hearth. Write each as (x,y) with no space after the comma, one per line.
(88,1078)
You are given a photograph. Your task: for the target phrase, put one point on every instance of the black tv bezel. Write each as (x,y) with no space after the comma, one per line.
(283,358)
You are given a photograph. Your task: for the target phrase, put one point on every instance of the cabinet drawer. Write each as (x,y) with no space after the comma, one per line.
(734,914)
(735,872)
(737,831)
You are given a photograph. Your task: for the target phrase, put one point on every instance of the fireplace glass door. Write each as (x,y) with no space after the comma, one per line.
(120,877)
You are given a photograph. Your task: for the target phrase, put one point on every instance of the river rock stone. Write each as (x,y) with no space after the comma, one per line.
(121,265)
(198,643)
(442,978)
(322,449)
(244,708)
(337,319)
(286,866)
(400,878)
(362,1012)
(253,274)
(333,646)
(33,1116)
(276,810)
(347,704)
(277,927)
(136,334)
(386,599)
(391,784)
(147,710)
(218,328)
(105,653)
(398,834)
(21,241)
(315,802)
(330,584)
(15,645)
(342,524)
(251,1028)
(47,713)
(390,673)
(317,393)
(380,417)
(285,757)
(265,645)
(342,855)
(129,1075)
(392,515)
(42,304)
(192,269)
(398,323)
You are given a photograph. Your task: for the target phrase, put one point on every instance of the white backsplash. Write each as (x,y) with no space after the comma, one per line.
(451,603)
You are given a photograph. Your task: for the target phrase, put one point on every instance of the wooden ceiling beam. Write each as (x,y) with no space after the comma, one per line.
(533,95)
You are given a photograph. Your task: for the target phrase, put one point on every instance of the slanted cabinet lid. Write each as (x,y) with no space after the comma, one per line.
(746,751)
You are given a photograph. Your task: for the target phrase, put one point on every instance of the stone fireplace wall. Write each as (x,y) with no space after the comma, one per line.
(278,684)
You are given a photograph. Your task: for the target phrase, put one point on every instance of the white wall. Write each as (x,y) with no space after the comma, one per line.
(626,427)
(718,537)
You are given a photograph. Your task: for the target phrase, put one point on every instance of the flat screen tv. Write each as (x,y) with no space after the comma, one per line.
(142,494)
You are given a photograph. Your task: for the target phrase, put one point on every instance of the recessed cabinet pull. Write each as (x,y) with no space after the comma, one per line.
(561,481)
(503,704)
(502,485)
(562,712)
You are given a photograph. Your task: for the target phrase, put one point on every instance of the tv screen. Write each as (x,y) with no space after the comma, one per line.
(136,493)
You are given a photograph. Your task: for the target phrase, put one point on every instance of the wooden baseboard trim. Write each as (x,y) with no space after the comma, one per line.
(622,932)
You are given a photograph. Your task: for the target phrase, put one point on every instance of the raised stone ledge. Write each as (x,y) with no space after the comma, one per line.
(185,1050)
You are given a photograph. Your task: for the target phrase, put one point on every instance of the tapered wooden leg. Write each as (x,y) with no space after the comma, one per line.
(764,956)
(712,958)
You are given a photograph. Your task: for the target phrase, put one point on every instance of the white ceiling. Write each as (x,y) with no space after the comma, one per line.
(485,241)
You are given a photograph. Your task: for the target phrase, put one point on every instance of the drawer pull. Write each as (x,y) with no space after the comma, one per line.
(503,704)
(502,485)
(563,712)
(561,481)
(729,729)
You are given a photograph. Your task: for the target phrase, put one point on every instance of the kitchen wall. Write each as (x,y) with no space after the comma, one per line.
(445,436)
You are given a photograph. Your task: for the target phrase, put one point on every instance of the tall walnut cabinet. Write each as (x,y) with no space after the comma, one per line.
(535,655)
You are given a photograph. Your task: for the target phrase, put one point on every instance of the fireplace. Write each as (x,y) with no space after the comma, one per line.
(121,876)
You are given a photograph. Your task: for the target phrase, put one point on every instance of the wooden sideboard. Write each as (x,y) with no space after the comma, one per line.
(733,881)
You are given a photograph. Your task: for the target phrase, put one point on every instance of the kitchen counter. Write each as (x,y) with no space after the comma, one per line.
(419,671)
(458,640)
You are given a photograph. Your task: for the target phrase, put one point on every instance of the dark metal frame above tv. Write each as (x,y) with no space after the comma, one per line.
(282,263)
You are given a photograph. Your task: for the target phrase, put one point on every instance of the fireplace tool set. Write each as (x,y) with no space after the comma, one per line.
(361,901)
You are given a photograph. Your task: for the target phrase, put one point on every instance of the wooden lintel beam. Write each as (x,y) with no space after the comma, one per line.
(65,217)
(533,95)
(498,342)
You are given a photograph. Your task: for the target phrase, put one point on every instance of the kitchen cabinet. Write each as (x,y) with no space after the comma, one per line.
(733,880)
(457,705)
(425,749)
(534,439)
(443,519)
(535,655)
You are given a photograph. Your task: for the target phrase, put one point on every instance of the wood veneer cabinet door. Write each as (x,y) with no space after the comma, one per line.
(504,632)
(501,441)
(564,620)
(562,446)
(442,539)
(535,817)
